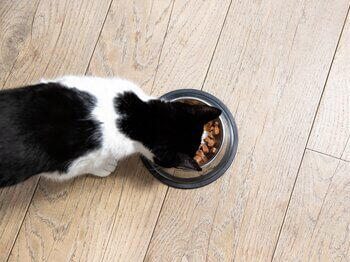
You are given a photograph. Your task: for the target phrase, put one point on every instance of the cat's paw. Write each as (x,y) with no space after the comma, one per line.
(107,169)
(101,173)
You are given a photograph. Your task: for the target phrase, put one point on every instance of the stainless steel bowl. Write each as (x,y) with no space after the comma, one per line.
(217,166)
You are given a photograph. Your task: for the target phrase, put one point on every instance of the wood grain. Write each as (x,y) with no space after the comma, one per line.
(76,220)
(269,67)
(346,153)
(41,39)
(331,130)
(131,41)
(92,219)
(131,50)
(139,209)
(63,36)
(317,222)
(14,202)
(15,26)
(191,39)
(140,204)
(190,42)
(70,221)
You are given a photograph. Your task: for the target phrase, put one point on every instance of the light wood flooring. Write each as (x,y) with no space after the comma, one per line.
(283,69)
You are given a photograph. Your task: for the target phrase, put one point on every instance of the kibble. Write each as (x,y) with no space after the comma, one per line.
(209,147)
(210,142)
(205,148)
(216,130)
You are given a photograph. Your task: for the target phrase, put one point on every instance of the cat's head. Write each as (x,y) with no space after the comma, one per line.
(171,130)
(180,134)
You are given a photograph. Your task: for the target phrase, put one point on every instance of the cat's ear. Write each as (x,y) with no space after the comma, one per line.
(187,162)
(207,113)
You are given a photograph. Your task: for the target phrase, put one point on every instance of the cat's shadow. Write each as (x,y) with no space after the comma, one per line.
(130,175)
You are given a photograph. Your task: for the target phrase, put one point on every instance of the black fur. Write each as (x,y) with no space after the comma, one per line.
(171,130)
(44,128)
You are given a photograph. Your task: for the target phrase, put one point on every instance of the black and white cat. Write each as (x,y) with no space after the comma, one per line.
(77,125)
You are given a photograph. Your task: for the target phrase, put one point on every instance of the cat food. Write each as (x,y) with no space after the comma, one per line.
(213,136)
(209,147)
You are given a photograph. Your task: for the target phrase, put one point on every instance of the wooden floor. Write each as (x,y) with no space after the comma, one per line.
(282,67)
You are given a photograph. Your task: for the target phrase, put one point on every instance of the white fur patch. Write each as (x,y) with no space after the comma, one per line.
(115,145)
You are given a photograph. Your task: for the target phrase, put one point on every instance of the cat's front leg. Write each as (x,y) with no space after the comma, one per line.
(106,169)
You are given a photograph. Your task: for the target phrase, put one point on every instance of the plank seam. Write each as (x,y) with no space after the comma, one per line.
(115,217)
(161,48)
(307,141)
(98,38)
(346,144)
(24,217)
(152,89)
(325,154)
(216,45)
(37,183)
(205,78)
(155,225)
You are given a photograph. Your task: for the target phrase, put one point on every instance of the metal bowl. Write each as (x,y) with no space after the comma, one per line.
(217,166)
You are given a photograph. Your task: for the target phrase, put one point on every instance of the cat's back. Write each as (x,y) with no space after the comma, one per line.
(105,91)
(102,88)
(72,107)
(67,125)
(45,103)
(44,127)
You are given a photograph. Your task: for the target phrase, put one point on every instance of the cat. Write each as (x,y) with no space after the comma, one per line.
(78,125)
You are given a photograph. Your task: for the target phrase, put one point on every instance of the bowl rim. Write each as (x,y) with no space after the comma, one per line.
(200,181)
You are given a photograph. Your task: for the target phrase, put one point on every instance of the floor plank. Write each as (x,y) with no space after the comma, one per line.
(131,41)
(137,207)
(41,39)
(132,50)
(331,130)
(14,202)
(62,37)
(269,67)
(73,221)
(15,26)
(317,224)
(191,39)
(92,219)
